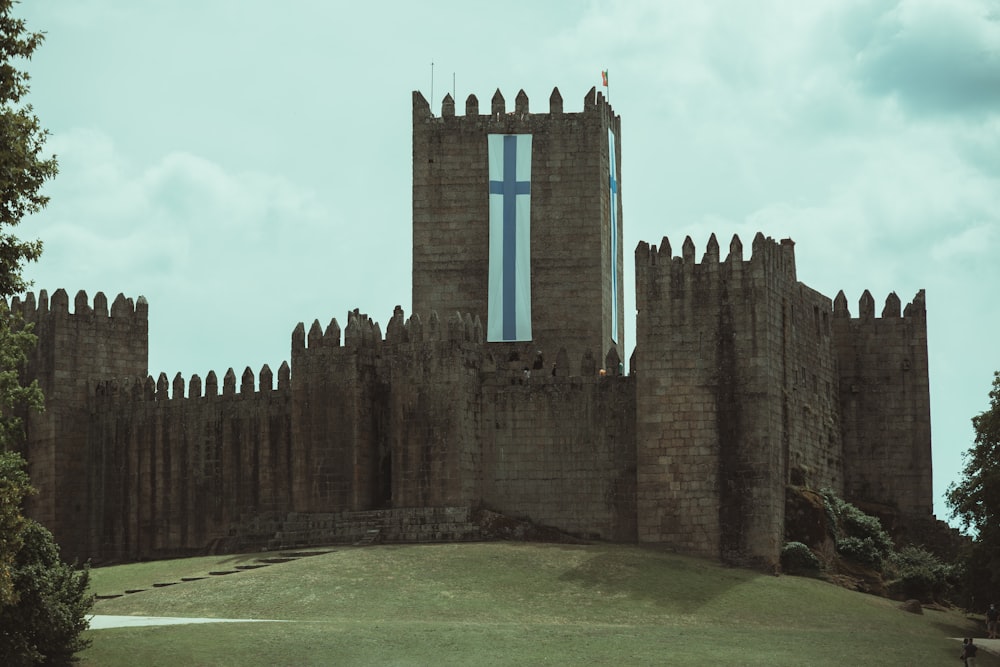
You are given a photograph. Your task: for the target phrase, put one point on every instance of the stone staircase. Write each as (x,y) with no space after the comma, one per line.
(372,536)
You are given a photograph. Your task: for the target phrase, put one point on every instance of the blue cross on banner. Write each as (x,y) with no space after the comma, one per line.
(508,316)
(613,184)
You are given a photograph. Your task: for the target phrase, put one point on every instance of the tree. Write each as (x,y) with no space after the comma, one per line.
(975,500)
(16,341)
(43,601)
(23,169)
(22,172)
(14,487)
(46,612)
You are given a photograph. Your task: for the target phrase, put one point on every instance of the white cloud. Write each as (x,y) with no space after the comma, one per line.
(977,241)
(175,231)
(936,56)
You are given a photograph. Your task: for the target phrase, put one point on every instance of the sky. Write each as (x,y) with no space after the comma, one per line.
(246,165)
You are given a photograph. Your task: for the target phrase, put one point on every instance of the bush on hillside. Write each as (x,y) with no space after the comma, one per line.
(919,574)
(859,536)
(862,551)
(45,624)
(797,558)
(856,523)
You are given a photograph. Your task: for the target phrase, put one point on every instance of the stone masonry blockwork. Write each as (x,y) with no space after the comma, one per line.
(743,382)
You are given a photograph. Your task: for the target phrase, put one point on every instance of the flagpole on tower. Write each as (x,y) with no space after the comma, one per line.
(604,80)
(432,86)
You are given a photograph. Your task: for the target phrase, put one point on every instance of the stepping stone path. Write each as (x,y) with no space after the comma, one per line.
(261,562)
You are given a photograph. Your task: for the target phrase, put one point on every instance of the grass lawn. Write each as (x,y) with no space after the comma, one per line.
(506,604)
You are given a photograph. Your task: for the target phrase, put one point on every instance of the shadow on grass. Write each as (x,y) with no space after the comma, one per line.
(244,558)
(952,629)
(676,583)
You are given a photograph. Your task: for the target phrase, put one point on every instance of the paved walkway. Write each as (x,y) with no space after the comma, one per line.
(103,622)
(988,645)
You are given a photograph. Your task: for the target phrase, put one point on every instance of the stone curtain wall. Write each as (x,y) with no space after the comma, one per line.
(810,391)
(74,351)
(336,451)
(386,423)
(434,408)
(480,424)
(428,417)
(570,221)
(885,403)
(173,473)
(560,450)
(736,397)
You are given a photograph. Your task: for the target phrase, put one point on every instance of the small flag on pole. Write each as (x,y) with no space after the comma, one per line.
(604,78)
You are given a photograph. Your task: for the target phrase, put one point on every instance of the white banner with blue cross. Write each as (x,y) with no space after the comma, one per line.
(508,316)
(613,198)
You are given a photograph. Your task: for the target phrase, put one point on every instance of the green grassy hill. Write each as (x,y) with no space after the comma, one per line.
(508,604)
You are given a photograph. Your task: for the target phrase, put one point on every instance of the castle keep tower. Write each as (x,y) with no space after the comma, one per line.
(738,399)
(517,220)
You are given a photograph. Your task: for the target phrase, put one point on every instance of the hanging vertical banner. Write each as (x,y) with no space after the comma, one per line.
(613,199)
(509,301)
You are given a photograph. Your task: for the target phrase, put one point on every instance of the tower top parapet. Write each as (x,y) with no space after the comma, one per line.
(893,309)
(593,102)
(35,309)
(777,256)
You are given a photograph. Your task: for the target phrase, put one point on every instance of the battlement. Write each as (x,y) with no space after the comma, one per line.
(594,102)
(916,309)
(766,253)
(34,310)
(885,401)
(668,282)
(139,388)
(362,332)
(92,342)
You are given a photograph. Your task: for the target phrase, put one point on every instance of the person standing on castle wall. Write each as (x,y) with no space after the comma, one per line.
(992,615)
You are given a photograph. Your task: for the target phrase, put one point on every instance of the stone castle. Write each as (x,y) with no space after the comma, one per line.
(744,383)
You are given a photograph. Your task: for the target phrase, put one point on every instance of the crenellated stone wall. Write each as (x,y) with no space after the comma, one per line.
(170,474)
(743,381)
(735,375)
(884,399)
(428,417)
(74,350)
